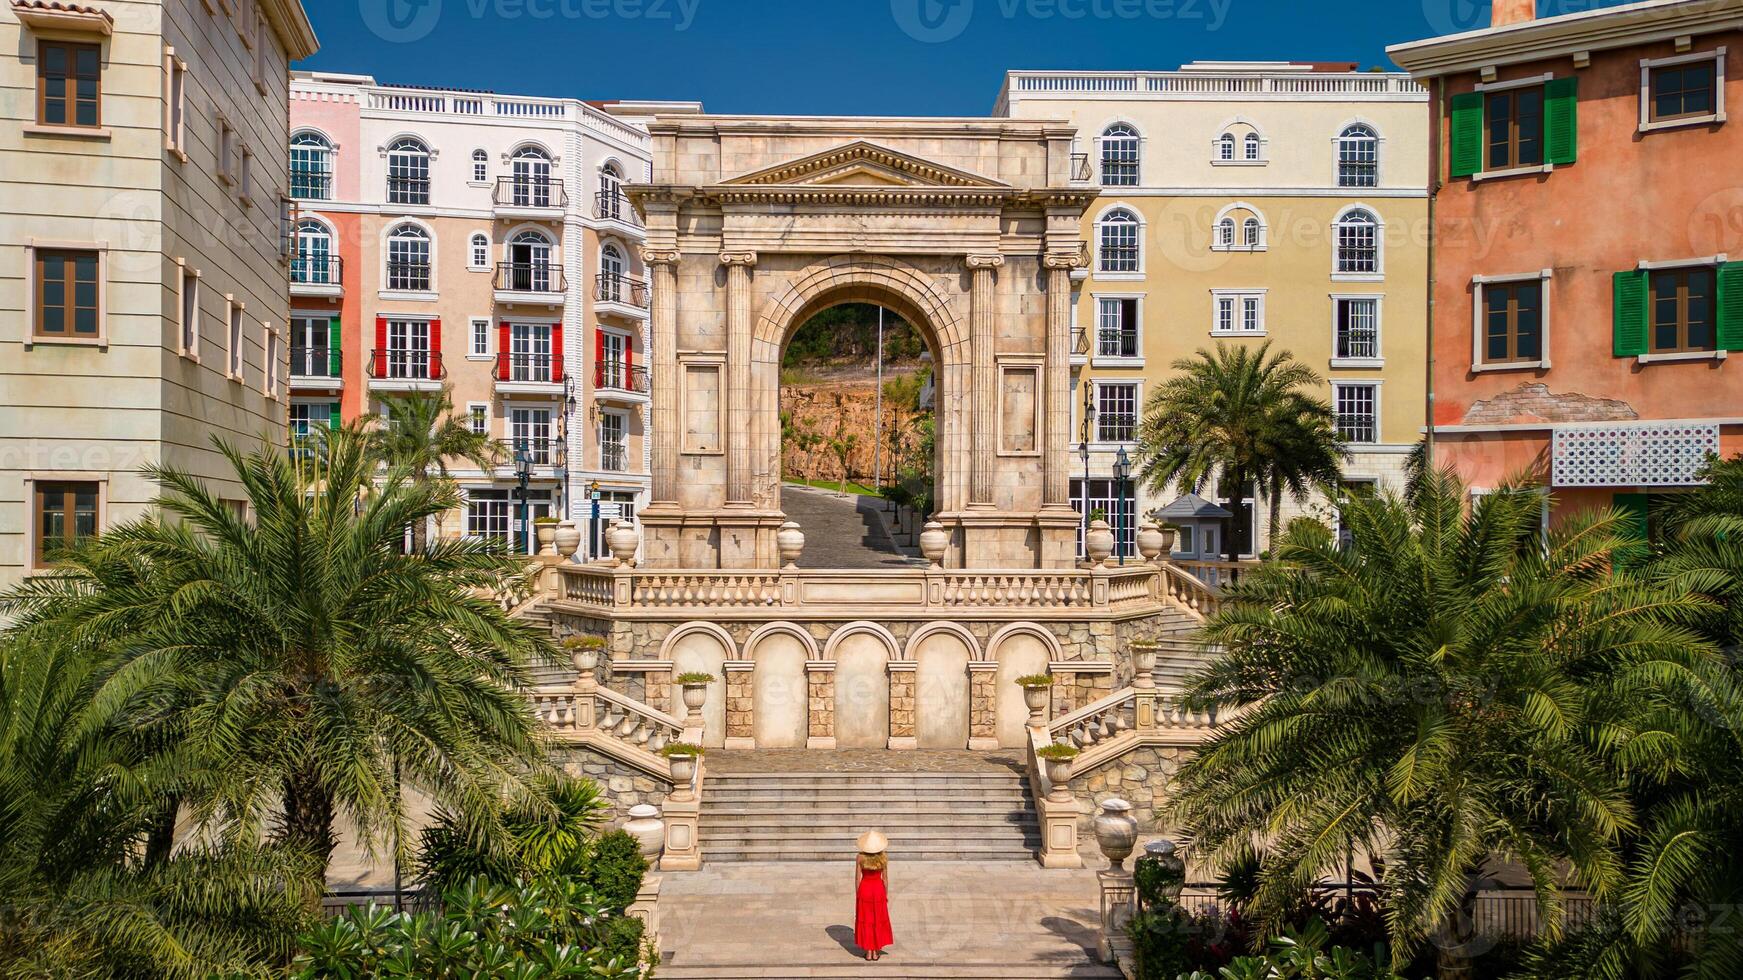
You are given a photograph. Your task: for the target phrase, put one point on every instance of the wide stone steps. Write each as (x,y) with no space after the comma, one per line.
(820,816)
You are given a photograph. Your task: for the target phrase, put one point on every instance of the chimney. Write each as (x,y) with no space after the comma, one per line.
(1506,12)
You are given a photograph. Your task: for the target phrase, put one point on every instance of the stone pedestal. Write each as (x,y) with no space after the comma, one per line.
(683,843)
(902,680)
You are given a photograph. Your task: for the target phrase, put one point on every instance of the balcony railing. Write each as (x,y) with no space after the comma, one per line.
(1358,428)
(618,376)
(399,364)
(537,368)
(1359,342)
(1114,427)
(311,185)
(1118,258)
(530,192)
(408,276)
(314,362)
(613,457)
(317,270)
(1116,343)
(530,277)
(408,190)
(1080,168)
(611,287)
(540,451)
(613,206)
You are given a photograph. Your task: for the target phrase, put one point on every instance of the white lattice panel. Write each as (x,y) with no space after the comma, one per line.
(1645,454)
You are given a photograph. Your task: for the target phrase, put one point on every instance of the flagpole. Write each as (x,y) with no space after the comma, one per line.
(878,426)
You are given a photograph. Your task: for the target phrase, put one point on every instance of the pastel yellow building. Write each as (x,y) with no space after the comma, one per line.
(1245,203)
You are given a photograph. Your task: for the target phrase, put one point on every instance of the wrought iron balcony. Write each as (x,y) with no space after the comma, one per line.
(314,362)
(1116,343)
(530,277)
(618,376)
(540,451)
(310,185)
(408,190)
(537,193)
(409,276)
(1358,428)
(1115,427)
(1081,171)
(531,368)
(614,457)
(1118,258)
(610,287)
(613,206)
(317,270)
(399,364)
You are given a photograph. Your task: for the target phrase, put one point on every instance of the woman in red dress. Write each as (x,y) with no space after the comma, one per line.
(871,917)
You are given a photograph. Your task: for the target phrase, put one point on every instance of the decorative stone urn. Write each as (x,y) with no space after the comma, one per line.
(547,533)
(934,540)
(790,541)
(648,829)
(1163,870)
(586,658)
(683,769)
(568,539)
(1099,542)
(695,695)
(1154,541)
(1059,774)
(1116,832)
(1144,663)
(1036,699)
(623,539)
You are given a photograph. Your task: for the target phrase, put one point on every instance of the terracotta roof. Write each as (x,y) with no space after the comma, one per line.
(61,8)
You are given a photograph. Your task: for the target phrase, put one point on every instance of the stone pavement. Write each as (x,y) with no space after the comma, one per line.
(950,920)
(841,530)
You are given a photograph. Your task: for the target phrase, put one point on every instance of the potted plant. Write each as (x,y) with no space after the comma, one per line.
(1036,690)
(1144,653)
(682,756)
(584,651)
(546,528)
(695,684)
(1057,758)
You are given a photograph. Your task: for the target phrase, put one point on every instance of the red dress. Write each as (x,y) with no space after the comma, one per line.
(871,918)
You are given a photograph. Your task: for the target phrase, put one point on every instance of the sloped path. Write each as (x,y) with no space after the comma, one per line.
(841,530)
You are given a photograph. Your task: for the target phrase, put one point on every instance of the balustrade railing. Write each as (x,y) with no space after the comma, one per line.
(530,192)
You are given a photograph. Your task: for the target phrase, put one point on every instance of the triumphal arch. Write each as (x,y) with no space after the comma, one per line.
(967,228)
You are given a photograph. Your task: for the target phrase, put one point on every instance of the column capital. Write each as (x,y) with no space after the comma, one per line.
(1062,260)
(660,256)
(984,261)
(746,259)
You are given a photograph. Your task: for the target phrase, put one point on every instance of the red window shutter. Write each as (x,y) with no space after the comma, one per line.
(598,358)
(503,347)
(628,357)
(557,352)
(380,355)
(435,350)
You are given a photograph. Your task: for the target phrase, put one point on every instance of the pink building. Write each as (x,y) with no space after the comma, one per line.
(1585,284)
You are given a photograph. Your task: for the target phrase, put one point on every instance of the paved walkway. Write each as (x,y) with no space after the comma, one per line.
(950,920)
(841,530)
(863,760)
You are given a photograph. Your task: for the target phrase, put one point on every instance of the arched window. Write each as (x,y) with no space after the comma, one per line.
(480,167)
(1119,156)
(1254,145)
(1251,233)
(408,171)
(1119,242)
(1225,232)
(408,258)
(1358,157)
(529,264)
(610,201)
(532,186)
(612,284)
(314,262)
(1225,147)
(311,167)
(479,255)
(1358,243)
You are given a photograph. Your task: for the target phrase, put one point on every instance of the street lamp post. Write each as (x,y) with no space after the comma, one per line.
(1122,467)
(1083,502)
(523,472)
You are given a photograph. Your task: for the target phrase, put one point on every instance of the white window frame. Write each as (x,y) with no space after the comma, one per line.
(187,334)
(1245,134)
(270,379)
(1115,360)
(387,291)
(599,433)
(473,353)
(1143,225)
(479,158)
(1337,225)
(1379,413)
(1478,316)
(472,263)
(234,363)
(1379,358)
(475,410)
(1096,443)
(1137,136)
(1714,118)
(1238,239)
(1337,156)
(175,104)
(1240,298)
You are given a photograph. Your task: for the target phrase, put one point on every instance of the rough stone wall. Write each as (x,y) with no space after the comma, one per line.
(1073,690)
(1140,777)
(845,405)
(624,785)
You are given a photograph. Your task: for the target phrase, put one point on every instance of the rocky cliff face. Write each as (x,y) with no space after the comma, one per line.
(817,412)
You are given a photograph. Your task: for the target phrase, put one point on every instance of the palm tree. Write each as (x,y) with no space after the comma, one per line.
(313,659)
(1239,416)
(1446,690)
(421,433)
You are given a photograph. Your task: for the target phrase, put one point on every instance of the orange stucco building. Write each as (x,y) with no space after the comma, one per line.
(1587,269)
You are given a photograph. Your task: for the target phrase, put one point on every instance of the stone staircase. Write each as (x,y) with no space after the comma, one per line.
(1178,658)
(818,816)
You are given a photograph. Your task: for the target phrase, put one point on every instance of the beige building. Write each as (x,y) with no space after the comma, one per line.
(143,259)
(1244,203)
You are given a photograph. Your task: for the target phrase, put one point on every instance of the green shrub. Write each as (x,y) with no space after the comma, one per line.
(547,834)
(614,868)
(1035,680)
(681,748)
(1057,751)
(695,677)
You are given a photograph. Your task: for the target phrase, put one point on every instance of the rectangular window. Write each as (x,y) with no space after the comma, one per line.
(67,293)
(1358,328)
(1682,307)
(1513,322)
(69,84)
(1358,412)
(311,353)
(246,176)
(1104,503)
(478,418)
(480,337)
(1513,121)
(272,354)
(408,349)
(1116,412)
(1239,312)
(175,103)
(530,432)
(233,352)
(487,514)
(613,504)
(226,151)
(1117,328)
(66,513)
(529,352)
(613,446)
(1683,91)
(190,313)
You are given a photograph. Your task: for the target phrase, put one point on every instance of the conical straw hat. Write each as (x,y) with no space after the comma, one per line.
(872,842)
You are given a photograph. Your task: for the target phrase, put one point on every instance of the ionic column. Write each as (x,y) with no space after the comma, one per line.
(1056,466)
(663,271)
(739,490)
(984,381)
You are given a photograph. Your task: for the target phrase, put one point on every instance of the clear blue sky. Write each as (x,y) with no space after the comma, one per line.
(877,57)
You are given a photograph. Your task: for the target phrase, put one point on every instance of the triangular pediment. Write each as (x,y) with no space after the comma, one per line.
(862,164)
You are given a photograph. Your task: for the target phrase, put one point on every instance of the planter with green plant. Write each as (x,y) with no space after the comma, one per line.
(695,685)
(584,651)
(1036,693)
(1057,759)
(682,756)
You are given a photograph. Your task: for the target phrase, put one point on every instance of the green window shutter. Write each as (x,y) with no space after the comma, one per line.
(1731,306)
(1561,120)
(333,415)
(1630,313)
(1633,508)
(334,360)
(1467,134)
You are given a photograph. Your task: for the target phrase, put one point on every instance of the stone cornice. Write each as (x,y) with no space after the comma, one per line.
(1552,37)
(901,164)
(900,198)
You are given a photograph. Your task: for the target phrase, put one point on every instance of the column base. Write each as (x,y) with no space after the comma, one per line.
(739,743)
(903,742)
(981,743)
(820,742)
